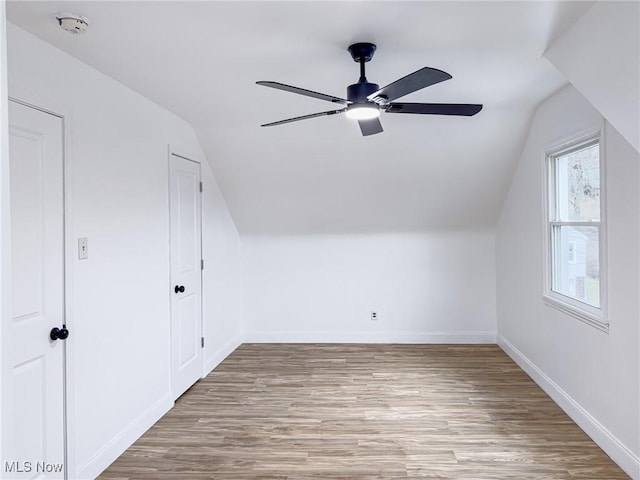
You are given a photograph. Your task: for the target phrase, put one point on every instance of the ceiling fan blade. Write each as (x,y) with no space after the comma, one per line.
(302,91)
(304,117)
(370,127)
(464,109)
(414,81)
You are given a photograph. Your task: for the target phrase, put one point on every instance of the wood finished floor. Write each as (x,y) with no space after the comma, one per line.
(364,412)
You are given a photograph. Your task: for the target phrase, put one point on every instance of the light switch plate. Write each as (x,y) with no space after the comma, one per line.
(83,248)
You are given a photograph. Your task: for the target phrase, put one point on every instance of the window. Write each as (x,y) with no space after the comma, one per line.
(575,232)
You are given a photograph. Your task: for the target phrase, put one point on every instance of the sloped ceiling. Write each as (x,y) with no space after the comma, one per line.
(424,173)
(607,68)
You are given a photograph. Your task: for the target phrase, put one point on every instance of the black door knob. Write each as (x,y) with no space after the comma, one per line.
(179,289)
(59,333)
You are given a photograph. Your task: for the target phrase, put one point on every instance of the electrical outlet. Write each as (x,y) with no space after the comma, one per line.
(374,315)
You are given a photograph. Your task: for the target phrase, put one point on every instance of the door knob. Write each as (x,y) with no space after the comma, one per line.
(59,333)
(179,289)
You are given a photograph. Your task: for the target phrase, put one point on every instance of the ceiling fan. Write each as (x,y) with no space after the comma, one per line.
(365,100)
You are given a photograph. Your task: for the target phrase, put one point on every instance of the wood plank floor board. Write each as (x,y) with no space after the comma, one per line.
(355,412)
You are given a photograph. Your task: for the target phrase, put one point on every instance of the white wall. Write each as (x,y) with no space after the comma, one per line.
(591,374)
(600,56)
(119,298)
(221,290)
(425,287)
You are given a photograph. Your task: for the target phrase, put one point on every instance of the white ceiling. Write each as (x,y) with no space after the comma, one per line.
(424,173)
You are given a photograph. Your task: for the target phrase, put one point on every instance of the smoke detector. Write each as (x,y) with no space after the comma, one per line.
(73,23)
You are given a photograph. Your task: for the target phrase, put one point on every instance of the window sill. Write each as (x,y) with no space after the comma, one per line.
(595,321)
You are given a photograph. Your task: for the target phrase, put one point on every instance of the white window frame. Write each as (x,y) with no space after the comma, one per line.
(595,316)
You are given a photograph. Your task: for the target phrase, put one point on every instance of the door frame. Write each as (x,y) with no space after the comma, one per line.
(197,158)
(63,111)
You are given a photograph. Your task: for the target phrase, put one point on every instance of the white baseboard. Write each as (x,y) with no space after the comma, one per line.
(222,353)
(116,447)
(370,337)
(613,447)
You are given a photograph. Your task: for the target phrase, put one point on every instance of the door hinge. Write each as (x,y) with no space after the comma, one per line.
(202,342)
(201,264)
(201,186)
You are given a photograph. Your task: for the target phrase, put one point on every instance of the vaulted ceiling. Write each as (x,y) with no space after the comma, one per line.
(423,173)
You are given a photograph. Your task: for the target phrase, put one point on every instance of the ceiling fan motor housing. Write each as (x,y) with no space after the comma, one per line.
(358,92)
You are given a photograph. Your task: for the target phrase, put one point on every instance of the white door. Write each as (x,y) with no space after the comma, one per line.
(37,243)
(186,274)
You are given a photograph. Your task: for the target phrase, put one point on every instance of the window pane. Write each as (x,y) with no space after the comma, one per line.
(577,267)
(578,183)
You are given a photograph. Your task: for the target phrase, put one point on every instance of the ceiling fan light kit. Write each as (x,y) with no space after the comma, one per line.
(365,111)
(365,100)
